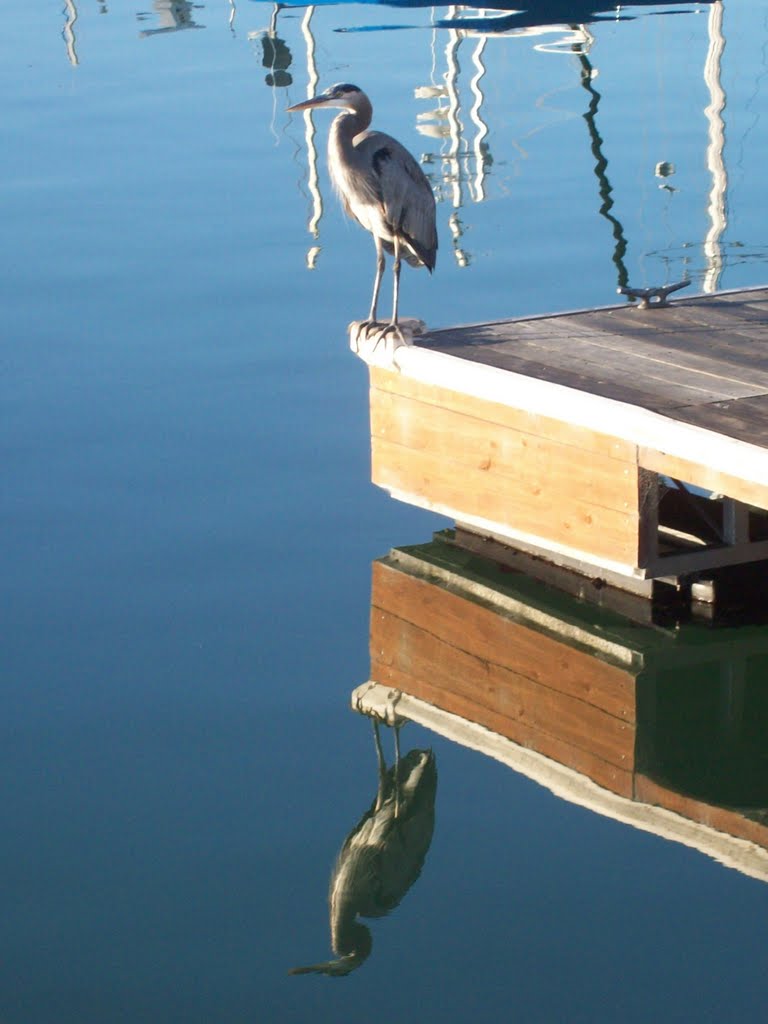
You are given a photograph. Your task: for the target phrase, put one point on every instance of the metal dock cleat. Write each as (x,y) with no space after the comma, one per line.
(652,296)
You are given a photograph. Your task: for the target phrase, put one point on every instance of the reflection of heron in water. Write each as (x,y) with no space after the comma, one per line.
(382,856)
(381,186)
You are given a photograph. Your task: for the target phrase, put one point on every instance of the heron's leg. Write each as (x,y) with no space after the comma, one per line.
(396,283)
(365,326)
(393,327)
(397,771)
(382,765)
(377,280)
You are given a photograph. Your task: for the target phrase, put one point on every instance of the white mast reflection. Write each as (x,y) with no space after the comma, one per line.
(433,91)
(455,131)
(482,127)
(465,161)
(446,124)
(232,15)
(454,108)
(68,32)
(309,134)
(715,159)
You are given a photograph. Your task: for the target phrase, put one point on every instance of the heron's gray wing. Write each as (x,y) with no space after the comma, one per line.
(405,194)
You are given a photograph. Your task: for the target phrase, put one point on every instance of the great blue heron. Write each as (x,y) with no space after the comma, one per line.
(381,186)
(381,857)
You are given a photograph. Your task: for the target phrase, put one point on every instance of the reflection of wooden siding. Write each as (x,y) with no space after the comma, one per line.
(561,484)
(732,822)
(458,636)
(473,661)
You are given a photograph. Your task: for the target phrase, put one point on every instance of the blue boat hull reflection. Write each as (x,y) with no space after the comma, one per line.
(534,15)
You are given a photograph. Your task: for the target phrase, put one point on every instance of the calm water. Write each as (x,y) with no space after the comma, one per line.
(188,526)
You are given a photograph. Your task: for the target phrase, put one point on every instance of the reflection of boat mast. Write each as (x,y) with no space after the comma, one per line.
(457,162)
(454,132)
(715,161)
(454,106)
(309,133)
(601,166)
(68,32)
(232,13)
(482,127)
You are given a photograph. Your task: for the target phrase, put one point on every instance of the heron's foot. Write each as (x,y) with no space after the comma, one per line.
(406,328)
(377,343)
(361,330)
(379,703)
(393,330)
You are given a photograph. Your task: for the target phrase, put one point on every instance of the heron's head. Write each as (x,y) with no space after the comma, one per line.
(341,96)
(354,950)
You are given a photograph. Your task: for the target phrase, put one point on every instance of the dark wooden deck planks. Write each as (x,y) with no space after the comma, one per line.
(702,361)
(746,419)
(667,372)
(503,357)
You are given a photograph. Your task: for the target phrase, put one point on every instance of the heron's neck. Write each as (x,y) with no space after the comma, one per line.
(348,124)
(353,942)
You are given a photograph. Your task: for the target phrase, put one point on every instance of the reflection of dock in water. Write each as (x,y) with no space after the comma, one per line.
(661,730)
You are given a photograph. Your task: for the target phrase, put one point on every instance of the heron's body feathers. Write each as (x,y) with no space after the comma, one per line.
(384,189)
(383,855)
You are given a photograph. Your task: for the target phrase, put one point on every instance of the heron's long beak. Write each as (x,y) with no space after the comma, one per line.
(316,101)
(335,968)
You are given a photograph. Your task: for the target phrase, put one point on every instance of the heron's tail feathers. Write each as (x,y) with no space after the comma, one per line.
(420,254)
(413,252)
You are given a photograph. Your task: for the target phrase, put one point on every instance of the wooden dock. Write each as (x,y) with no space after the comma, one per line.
(662,730)
(626,446)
